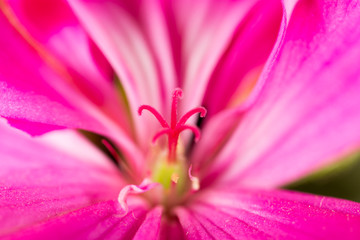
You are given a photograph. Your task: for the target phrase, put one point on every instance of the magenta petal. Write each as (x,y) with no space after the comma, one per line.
(257,214)
(30,90)
(150,228)
(207,30)
(193,228)
(38,91)
(307,115)
(133,37)
(33,128)
(235,84)
(171,230)
(239,66)
(38,183)
(54,26)
(99,221)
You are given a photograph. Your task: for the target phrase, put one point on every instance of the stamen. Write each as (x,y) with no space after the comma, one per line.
(176,127)
(175,177)
(195,182)
(145,186)
(111,149)
(124,167)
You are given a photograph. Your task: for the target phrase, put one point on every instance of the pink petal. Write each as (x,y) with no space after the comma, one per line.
(237,69)
(74,144)
(257,214)
(28,86)
(207,29)
(307,114)
(171,230)
(38,183)
(37,94)
(193,229)
(99,221)
(133,36)
(150,228)
(230,93)
(55,27)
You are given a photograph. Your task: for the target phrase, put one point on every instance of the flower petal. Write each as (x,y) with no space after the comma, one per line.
(307,114)
(55,27)
(99,221)
(234,94)
(38,95)
(27,85)
(73,143)
(240,65)
(38,183)
(171,230)
(133,36)
(207,29)
(150,228)
(258,214)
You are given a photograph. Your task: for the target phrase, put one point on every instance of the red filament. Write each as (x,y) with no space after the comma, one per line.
(175,127)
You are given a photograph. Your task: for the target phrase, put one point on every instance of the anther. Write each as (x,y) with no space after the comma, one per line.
(195,183)
(144,186)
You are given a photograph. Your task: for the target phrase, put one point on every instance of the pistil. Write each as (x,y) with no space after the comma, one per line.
(175,127)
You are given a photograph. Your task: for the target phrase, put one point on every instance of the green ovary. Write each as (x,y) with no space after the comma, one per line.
(171,175)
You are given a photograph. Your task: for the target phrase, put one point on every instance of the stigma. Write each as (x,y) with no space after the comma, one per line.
(176,125)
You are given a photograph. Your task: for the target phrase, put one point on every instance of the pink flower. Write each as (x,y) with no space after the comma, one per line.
(280,83)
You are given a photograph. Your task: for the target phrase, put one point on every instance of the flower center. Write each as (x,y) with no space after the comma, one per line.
(169,169)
